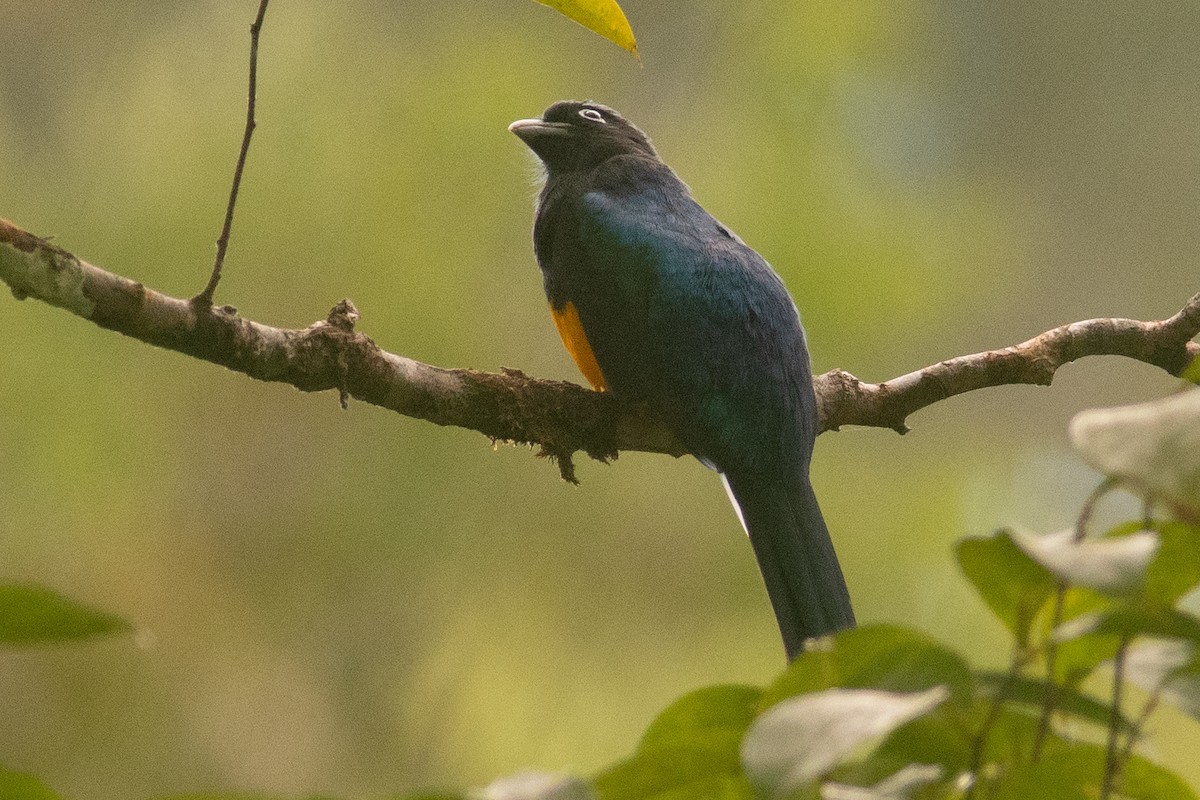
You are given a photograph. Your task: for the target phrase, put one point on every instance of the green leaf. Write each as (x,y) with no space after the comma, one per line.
(1175,570)
(30,614)
(1067,770)
(671,774)
(1046,780)
(261,796)
(689,751)
(1076,770)
(714,719)
(884,657)
(1154,446)
(1113,565)
(1129,621)
(1144,780)
(604,17)
(1077,658)
(937,738)
(19,786)
(1013,733)
(1092,639)
(1013,585)
(1031,693)
(946,737)
(802,738)
(1192,373)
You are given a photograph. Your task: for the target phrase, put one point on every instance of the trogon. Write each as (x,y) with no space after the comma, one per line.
(660,303)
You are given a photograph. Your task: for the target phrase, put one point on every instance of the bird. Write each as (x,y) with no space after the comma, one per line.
(660,304)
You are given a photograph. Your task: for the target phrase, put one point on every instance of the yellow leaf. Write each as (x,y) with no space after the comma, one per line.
(604,17)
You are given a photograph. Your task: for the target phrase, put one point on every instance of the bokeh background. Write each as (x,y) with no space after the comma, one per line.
(358,603)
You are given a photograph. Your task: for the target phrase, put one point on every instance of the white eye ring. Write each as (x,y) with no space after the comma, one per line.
(592,114)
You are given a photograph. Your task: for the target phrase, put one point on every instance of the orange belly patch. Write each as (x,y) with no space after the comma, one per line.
(566,319)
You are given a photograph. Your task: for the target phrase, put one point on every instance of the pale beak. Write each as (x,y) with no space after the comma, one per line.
(529,129)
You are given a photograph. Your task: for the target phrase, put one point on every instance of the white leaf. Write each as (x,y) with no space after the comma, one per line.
(1077,627)
(1149,664)
(1114,565)
(536,786)
(898,786)
(1155,445)
(800,739)
(1168,666)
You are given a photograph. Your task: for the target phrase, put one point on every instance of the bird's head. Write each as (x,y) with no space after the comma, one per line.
(574,135)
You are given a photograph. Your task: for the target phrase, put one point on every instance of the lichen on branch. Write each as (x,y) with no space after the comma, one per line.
(557,417)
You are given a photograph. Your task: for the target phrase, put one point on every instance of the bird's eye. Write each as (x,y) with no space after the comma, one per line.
(592,114)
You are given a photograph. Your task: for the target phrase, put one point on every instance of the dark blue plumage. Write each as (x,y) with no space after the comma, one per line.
(681,315)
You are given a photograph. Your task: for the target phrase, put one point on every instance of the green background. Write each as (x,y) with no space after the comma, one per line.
(360,603)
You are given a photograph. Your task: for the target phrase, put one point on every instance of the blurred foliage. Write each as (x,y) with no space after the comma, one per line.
(19,786)
(31,614)
(883,712)
(356,603)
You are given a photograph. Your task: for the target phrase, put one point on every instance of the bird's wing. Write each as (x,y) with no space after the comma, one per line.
(681,313)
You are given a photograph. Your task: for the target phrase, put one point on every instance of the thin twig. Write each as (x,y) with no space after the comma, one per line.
(1089,509)
(1135,728)
(979,741)
(1051,696)
(205,297)
(1112,761)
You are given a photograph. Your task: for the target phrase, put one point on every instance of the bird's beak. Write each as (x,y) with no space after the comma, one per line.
(530,129)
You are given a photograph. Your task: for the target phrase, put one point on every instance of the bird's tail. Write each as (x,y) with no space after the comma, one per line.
(795,555)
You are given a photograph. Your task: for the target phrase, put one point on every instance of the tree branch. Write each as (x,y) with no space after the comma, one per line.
(845,400)
(560,418)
